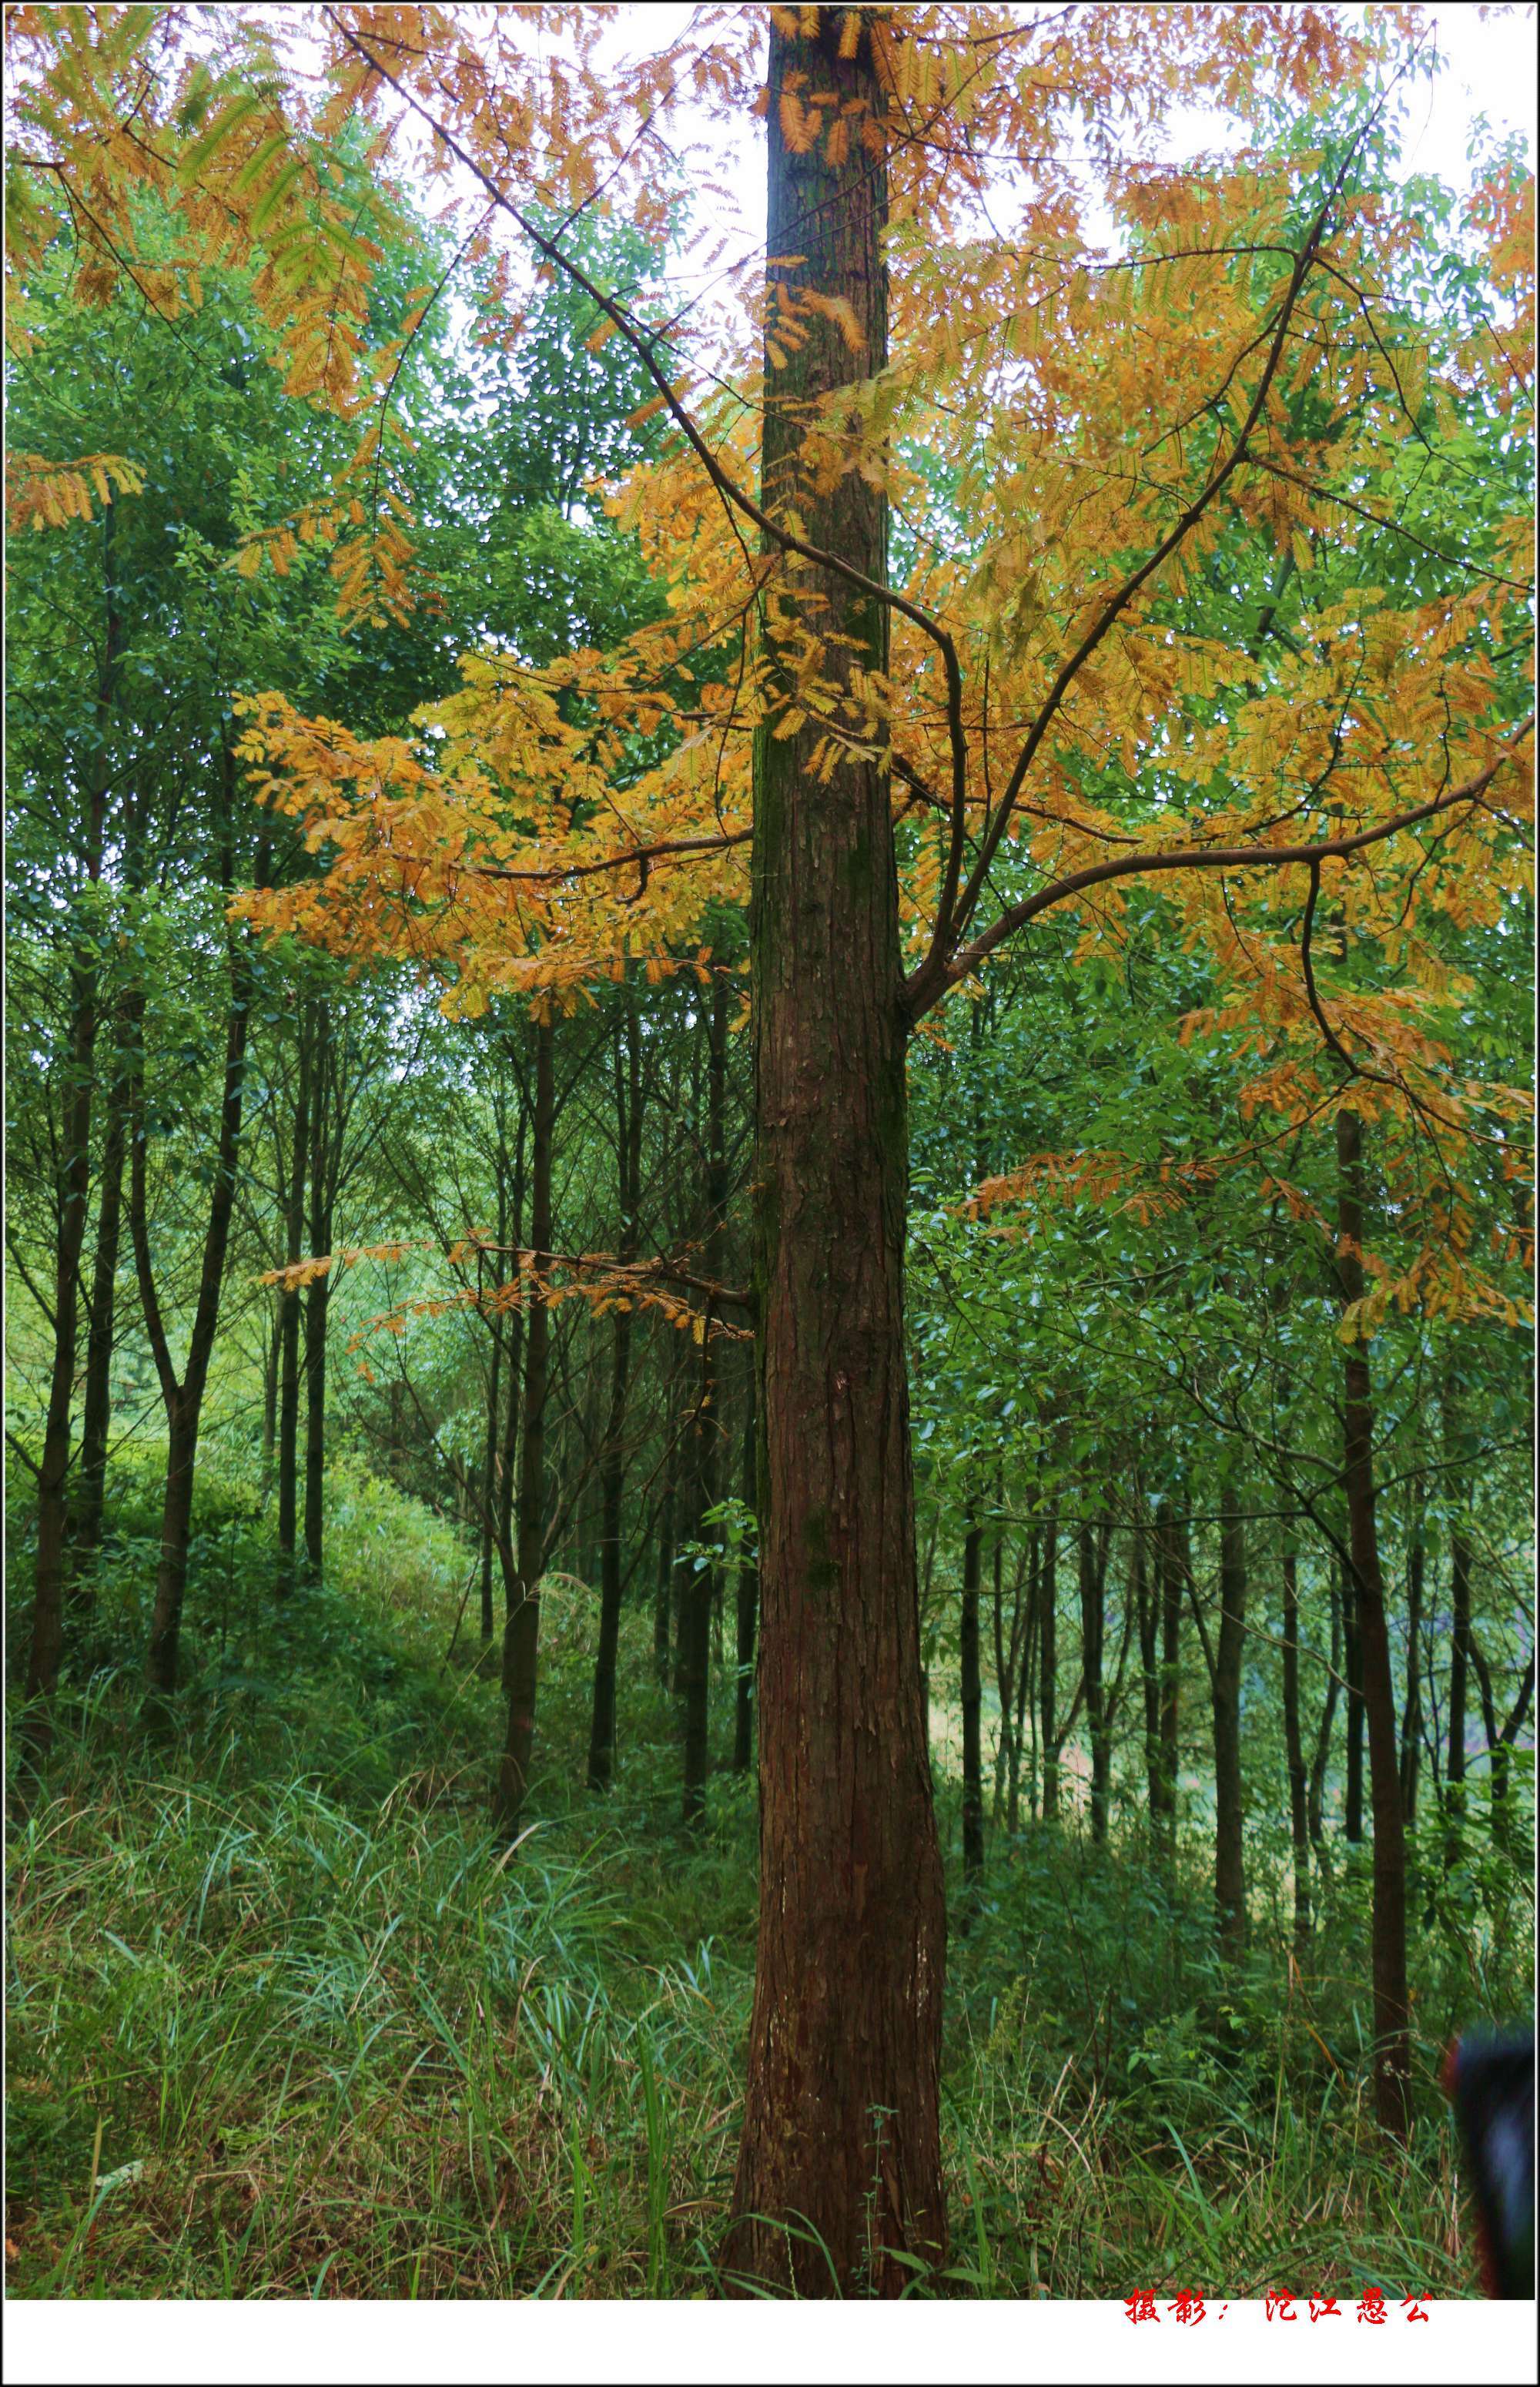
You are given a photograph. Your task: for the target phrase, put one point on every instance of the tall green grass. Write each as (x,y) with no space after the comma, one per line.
(286,2019)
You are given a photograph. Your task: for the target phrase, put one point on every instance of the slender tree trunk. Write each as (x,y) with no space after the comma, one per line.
(1048,1645)
(748,1604)
(1392,2047)
(522,1631)
(662,1604)
(269,1391)
(628,1124)
(1353,1807)
(1004,1673)
(699,1586)
(1094,1543)
(1229,1878)
(490,1468)
(289,1313)
(74,1190)
(183,1401)
(1294,1748)
(1146,1606)
(1175,1570)
(72,1193)
(841,2121)
(973,1704)
(1411,1714)
(1315,1802)
(318,1295)
(96,1415)
(1460,1597)
(1025,1684)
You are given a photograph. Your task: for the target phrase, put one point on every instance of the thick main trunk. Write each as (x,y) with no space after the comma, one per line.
(973,1705)
(747,1608)
(522,1631)
(1294,1752)
(1392,2046)
(1147,1616)
(842,2136)
(1230,1876)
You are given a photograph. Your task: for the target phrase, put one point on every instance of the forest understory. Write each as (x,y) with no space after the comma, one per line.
(287,2019)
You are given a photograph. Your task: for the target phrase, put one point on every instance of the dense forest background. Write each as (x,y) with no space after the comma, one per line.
(301,2003)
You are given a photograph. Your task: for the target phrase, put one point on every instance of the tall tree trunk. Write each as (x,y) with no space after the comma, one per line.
(1175,1570)
(1048,1670)
(628,1133)
(73,1195)
(183,1401)
(1459,1598)
(1353,1804)
(1146,1611)
(318,1295)
(1293,1749)
(1024,1706)
(1392,2047)
(662,1604)
(699,1583)
(1093,1546)
(101,1340)
(290,1304)
(1229,1876)
(1411,1713)
(522,1630)
(748,1603)
(1316,1798)
(973,1705)
(491,1449)
(270,1390)
(73,1192)
(841,2131)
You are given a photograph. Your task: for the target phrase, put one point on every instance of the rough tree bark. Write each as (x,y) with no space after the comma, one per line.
(748,1605)
(841,2122)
